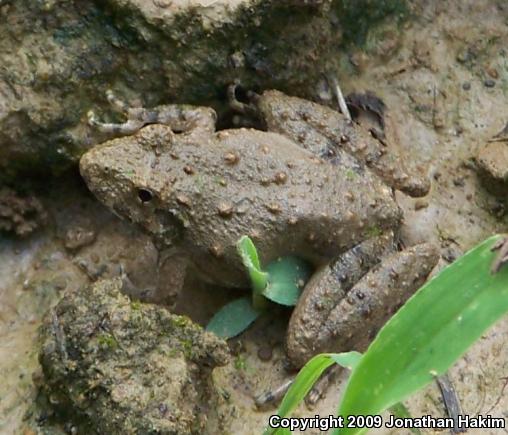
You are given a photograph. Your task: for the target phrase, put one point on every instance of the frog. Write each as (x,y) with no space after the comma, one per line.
(311,183)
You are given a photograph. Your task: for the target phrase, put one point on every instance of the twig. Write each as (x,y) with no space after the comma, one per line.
(340,97)
(451,401)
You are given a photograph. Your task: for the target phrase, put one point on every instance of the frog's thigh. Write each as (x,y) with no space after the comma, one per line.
(325,290)
(371,302)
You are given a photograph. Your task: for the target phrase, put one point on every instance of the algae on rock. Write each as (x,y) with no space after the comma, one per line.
(57,58)
(115,366)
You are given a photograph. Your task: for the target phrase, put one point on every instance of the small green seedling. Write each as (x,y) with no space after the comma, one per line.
(421,341)
(281,282)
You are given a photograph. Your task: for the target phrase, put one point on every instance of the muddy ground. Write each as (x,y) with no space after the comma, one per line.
(444,78)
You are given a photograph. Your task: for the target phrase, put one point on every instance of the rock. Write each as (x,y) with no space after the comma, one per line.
(115,366)
(492,163)
(78,237)
(20,215)
(59,57)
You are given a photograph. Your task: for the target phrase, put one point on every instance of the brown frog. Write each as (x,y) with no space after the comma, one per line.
(315,185)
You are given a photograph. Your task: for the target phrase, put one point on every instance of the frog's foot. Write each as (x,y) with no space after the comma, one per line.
(125,128)
(502,255)
(134,121)
(116,102)
(320,388)
(274,396)
(180,118)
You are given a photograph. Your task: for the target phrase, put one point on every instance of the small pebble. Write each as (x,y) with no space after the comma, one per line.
(489,83)
(466,86)
(225,210)
(421,204)
(459,181)
(492,72)
(265,353)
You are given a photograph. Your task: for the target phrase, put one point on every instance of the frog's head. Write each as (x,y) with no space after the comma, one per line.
(126,176)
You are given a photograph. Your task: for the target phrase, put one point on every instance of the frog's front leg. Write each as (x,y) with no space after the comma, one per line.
(180,118)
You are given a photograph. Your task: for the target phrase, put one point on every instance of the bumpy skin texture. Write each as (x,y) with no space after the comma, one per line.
(206,190)
(336,314)
(330,135)
(305,190)
(117,367)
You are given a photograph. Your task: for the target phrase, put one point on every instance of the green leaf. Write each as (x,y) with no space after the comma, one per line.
(308,376)
(233,318)
(258,278)
(428,334)
(286,278)
(400,410)
(348,360)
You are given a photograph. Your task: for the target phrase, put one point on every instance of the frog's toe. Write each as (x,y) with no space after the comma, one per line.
(320,388)
(501,258)
(273,396)
(116,103)
(125,128)
(92,120)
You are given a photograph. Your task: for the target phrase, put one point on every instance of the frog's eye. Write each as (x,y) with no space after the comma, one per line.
(145,195)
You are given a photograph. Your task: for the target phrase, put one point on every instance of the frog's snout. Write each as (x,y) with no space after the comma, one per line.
(86,166)
(90,167)
(95,168)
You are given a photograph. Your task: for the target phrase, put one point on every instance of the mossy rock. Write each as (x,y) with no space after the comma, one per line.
(120,367)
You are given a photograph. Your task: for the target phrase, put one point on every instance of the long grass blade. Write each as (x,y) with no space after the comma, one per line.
(428,334)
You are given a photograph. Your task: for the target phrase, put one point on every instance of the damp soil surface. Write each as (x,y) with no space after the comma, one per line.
(444,80)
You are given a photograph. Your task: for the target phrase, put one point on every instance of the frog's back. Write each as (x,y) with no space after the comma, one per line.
(204,192)
(250,182)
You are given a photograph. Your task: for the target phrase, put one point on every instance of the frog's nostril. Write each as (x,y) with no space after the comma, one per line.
(145,195)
